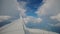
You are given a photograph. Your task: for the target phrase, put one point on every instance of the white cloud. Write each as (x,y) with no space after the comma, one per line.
(54,25)
(57,25)
(2,18)
(57,17)
(50,7)
(21,7)
(32,19)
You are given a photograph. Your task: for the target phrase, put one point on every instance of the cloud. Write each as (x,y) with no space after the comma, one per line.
(57,17)
(57,25)
(32,19)
(50,7)
(16,27)
(21,7)
(54,25)
(2,18)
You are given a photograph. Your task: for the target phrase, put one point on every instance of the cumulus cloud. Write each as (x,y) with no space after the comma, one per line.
(21,7)
(50,7)
(57,25)
(32,19)
(57,17)
(54,25)
(2,18)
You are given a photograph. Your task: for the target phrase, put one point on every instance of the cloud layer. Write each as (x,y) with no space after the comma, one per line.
(32,19)
(21,8)
(56,17)
(2,18)
(50,7)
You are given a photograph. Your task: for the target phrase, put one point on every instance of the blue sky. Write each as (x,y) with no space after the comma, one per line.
(32,6)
